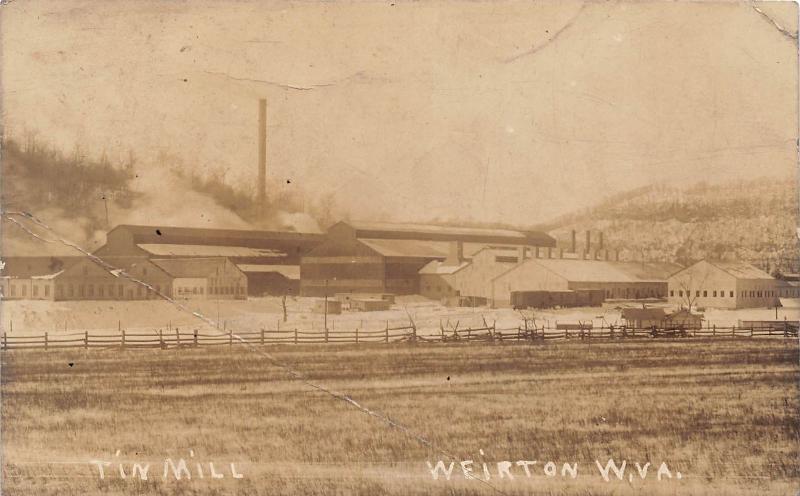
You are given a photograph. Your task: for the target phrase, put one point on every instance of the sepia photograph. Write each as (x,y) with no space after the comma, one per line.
(362,247)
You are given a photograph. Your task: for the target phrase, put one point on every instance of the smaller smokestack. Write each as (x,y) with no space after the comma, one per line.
(262,154)
(574,242)
(456,253)
(588,240)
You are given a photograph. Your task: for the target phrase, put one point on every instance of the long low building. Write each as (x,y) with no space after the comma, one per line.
(715,284)
(386,258)
(133,278)
(495,273)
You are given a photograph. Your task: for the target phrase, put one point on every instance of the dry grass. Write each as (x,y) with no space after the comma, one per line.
(722,413)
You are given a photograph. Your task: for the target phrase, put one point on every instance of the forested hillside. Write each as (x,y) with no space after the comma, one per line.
(754,221)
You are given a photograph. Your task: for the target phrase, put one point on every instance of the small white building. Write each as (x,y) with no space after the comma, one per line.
(723,285)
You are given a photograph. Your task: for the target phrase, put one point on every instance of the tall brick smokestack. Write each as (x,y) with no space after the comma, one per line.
(262,154)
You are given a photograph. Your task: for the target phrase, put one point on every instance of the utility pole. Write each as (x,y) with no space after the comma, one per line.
(326,307)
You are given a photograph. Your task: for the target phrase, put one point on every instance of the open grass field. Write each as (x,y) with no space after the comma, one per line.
(724,414)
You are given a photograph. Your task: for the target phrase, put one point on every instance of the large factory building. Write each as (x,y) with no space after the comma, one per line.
(365,257)
(269,259)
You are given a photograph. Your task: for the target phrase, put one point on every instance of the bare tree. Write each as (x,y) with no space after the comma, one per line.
(691,283)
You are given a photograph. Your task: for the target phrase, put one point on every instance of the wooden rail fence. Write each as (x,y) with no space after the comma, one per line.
(177,339)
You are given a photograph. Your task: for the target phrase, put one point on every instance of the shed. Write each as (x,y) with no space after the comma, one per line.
(334,307)
(641,318)
(369,304)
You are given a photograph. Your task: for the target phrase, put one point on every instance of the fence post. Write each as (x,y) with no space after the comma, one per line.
(5,341)
(326,334)
(262,333)
(387,331)
(178,335)
(123,338)
(160,339)
(194,337)
(230,339)
(295,335)
(86,340)
(714,331)
(356,335)
(45,340)
(413,334)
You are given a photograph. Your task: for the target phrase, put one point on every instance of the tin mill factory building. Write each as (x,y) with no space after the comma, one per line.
(372,257)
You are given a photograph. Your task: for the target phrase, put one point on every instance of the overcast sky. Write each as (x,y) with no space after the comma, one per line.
(487,111)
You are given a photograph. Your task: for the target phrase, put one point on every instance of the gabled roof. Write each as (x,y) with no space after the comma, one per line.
(389,230)
(167,232)
(741,270)
(191,267)
(288,271)
(586,270)
(438,267)
(648,271)
(178,250)
(407,248)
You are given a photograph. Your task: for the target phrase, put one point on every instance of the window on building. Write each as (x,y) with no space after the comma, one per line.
(35,290)
(82,290)
(201,291)
(705,293)
(101,291)
(715,293)
(13,290)
(680,292)
(697,293)
(24,290)
(731,294)
(47,290)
